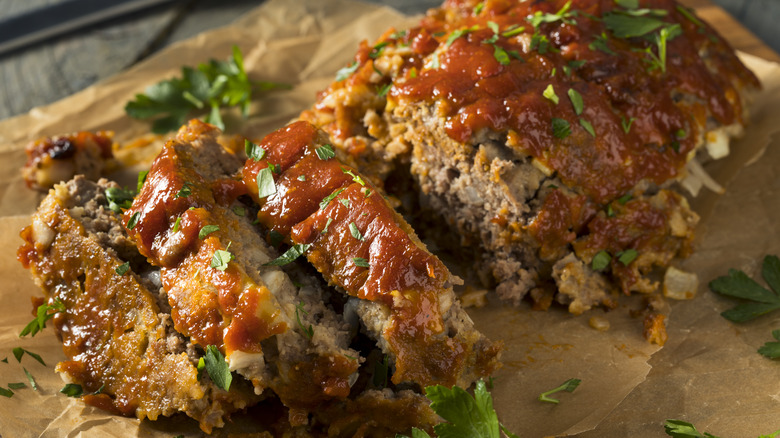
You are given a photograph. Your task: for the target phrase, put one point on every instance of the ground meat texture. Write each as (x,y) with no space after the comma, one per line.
(534,130)
(114,334)
(357,241)
(213,265)
(57,159)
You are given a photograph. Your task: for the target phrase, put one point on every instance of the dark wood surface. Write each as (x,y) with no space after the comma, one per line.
(46,72)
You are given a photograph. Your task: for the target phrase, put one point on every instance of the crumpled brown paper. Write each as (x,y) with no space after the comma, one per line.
(709,371)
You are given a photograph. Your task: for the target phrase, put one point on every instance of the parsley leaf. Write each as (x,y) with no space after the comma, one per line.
(576,101)
(627,124)
(19,352)
(600,43)
(30,379)
(771,349)
(176,226)
(206,230)
(355,232)
(325,152)
(459,33)
(568,386)
(43,314)
(627,256)
(757,300)
(122,269)
(361,262)
(210,86)
(588,127)
(466,416)
(325,201)
(265,183)
(133,220)
(560,128)
(562,15)
(6,392)
(683,429)
(327,224)
(549,94)
(291,254)
(72,390)
(221,258)
(513,30)
(119,199)
(347,71)
(217,367)
(185,191)
(141,180)
(600,260)
(253,150)
(625,25)
(501,55)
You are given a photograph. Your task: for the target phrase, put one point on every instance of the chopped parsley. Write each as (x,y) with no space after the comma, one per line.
(377,50)
(771,349)
(560,128)
(501,55)
(576,101)
(217,367)
(133,220)
(588,127)
(325,201)
(19,352)
(253,150)
(141,180)
(43,314)
(290,255)
(382,91)
(123,268)
(347,71)
(601,44)
(177,224)
(221,258)
(5,392)
(239,210)
(345,202)
(184,191)
(459,33)
(327,224)
(540,43)
(478,8)
(361,262)
(30,379)
(301,178)
(355,178)
(756,300)
(119,199)
(18,385)
(562,15)
(206,230)
(549,94)
(265,183)
(325,152)
(513,30)
(568,386)
(627,256)
(353,229)
(72,390)
(600,260)
(625,198)
(309,331)
(689,15)
(275,238)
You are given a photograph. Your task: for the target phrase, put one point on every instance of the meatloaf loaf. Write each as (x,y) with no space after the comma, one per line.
(550,136)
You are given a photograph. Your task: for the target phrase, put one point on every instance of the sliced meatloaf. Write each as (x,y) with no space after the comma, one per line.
(57,159)
(347,230)
(112,315)
(214,267)
(549,135)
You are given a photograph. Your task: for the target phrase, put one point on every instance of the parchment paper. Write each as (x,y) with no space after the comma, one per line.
(709,371)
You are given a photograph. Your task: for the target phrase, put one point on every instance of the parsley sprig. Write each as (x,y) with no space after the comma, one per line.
(209,87)
(465,416)
(568,386)
(772,349)
(756,300)
(44,313)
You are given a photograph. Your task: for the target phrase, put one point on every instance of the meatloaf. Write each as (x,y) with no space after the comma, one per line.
(114,319)
(550,136)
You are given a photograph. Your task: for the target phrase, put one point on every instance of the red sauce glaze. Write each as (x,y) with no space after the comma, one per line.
(561,218)
(475,91)
(354,228)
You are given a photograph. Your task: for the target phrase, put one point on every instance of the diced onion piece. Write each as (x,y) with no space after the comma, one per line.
(474,298)
(542,167)
(599,323)
(680,285)
(717,144)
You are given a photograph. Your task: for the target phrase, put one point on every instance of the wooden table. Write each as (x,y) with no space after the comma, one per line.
(54,69)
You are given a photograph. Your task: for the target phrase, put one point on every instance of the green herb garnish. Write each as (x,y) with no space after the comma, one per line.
(459,33)
(119,199)
(562,15)
(361,262)
(217,368)
(757,300)
(265,183)
(513,30)
(206,230)
(601,44)
(327,224)
(209,87)
(560,128)
(627,124)
(382,91)
(588,127)
(221,258)
(576,101)
(325,201)
(325,152)
(72,390)
(772,349)
(19,352)
(185,191)
(44,313)
(568,386)
(627,256)
(291,254)
(123,268)
(549,94)
(6,392)
(600,260)
(347,71)
(355,232)
(253,150)
(30,379)
(177,224)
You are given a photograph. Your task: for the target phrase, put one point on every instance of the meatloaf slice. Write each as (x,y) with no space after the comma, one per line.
(120,342)
(214,267)
(541,129)
(57,159)
(347,230)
